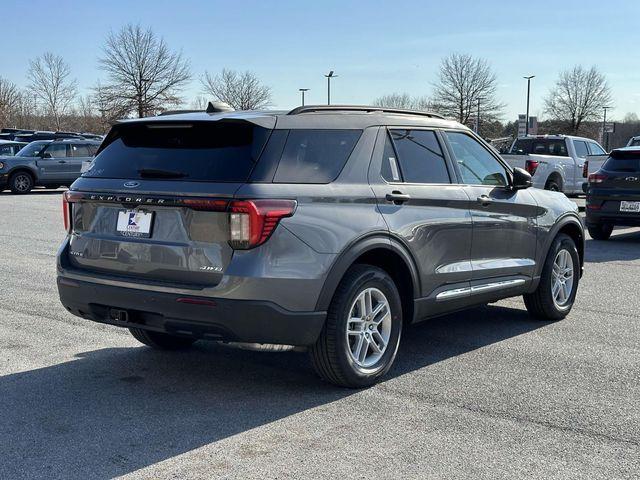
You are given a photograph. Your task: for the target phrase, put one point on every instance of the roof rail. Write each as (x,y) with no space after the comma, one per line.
(360,108)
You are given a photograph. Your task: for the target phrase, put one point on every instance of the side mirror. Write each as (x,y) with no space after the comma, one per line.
(46,155)
(521,179)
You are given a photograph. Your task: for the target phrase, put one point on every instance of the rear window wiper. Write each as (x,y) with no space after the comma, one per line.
(158,173)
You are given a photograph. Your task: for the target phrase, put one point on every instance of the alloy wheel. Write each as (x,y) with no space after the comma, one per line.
(368,327)
(562,279)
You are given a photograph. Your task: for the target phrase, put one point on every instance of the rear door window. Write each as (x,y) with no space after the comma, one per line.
(199,151)
(79,150)
(581,148)
(420,158)
(315,156)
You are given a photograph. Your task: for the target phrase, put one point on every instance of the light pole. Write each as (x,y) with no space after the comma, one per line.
(478,116)
(528,79)
(329,76)
(604,127)
(302,90)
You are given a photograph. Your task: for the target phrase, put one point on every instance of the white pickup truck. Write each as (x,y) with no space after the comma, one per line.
(555,162)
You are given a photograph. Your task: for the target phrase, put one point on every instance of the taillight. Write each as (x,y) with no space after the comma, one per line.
(531,166)
(251,222)
(66,212)
(597,178)
(585,169)
(67,199)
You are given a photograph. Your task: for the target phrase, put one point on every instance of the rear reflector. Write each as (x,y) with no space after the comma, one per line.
(196,301)
(251,222)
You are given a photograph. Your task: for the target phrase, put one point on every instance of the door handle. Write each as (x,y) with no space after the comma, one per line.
(397,197)
(62,161)
(484,200)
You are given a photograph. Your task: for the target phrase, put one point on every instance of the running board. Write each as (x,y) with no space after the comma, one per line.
(478,289)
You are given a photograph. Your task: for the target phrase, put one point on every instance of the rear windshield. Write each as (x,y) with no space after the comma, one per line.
(540,146)
(623,162)
(198,152)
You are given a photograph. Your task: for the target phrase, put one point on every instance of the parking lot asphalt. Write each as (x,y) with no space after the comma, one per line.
(484,394)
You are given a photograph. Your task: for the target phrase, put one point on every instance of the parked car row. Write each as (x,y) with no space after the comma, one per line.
(27,136)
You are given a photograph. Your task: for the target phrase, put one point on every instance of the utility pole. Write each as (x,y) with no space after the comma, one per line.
(604,128)
(478,116)
(528,79)
(329,76)
(302,91)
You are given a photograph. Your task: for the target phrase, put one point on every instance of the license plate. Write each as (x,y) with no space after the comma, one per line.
(629,206)
(134,223)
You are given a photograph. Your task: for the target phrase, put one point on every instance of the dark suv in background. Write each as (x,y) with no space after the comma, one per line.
(322,227)
(613,193)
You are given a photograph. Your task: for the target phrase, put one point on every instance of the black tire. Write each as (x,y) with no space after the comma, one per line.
(553,185)
(331,355)
(600,231)
(540,303)
(20,182)
(161,341)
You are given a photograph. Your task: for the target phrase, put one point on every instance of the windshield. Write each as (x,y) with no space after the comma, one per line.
(32,150)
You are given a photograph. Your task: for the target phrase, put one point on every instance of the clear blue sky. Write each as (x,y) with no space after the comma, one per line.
(375,47)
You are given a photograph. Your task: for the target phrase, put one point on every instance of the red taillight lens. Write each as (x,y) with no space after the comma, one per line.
(585,169)
(251,222)
(67,199)
(531,166)
(597,178)
(65,213)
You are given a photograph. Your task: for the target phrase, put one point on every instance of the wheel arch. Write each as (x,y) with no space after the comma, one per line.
(570,225)
(383,252)
(556,176)
(23,168)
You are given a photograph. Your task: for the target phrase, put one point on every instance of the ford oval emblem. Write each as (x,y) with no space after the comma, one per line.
(131,184)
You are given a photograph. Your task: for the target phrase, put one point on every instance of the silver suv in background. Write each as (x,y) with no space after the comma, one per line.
(327,228)
(555,162)
(48,163)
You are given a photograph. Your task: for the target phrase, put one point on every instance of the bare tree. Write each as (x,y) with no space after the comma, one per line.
(463,81)
(243,91)
(50,82)
(403,100)
(144,76)
(9,102)
(578,95)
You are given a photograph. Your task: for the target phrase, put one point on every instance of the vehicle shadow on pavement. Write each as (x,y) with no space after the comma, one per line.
(620,247)
(113,411)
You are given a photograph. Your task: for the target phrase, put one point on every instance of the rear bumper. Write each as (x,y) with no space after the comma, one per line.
(613,218)
(214,319)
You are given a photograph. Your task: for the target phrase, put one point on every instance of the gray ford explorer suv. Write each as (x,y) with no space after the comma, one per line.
(323,227)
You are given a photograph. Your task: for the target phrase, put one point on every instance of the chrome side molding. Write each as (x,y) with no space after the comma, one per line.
(477,289)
